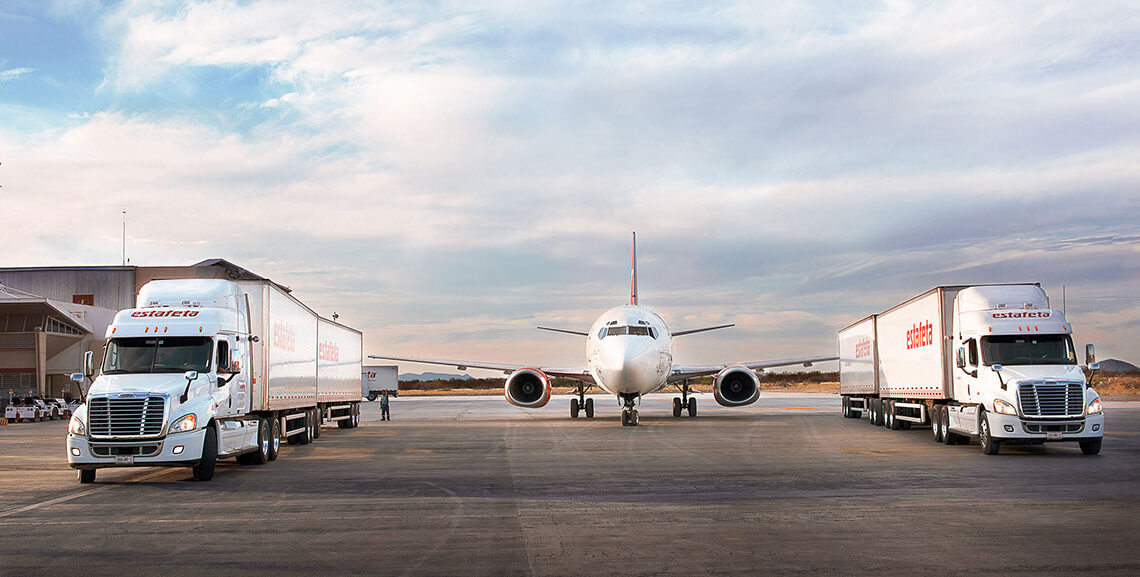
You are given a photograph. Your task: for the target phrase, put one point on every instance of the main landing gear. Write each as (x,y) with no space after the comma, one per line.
(629,417)
(684,402)
(581,404)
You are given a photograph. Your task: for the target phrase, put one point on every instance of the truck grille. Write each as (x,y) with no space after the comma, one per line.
(139,417)
(1052,399)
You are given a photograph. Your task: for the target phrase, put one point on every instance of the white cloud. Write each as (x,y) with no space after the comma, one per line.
(14,73)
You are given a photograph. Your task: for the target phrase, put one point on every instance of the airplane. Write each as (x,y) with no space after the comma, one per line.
(629,353)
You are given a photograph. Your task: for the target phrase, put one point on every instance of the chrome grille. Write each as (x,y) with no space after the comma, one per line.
(126,418)
(1051,399)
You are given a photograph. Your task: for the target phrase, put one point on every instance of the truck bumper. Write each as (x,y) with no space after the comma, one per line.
(1015,428)
(178,450)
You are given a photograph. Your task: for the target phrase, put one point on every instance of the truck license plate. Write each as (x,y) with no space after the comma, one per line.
(1052,435)
(130,459)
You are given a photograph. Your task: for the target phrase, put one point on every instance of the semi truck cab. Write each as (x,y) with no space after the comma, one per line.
(174,388)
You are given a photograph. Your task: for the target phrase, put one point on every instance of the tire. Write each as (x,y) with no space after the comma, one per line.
(317,416)
(303,437)
(692,407)
(936,423)
(86,476)
(855,413)
(371,397)
(261,455)
(274,437)
(589,408)
(634,418)
(892,420)
(676,406)
(204,470)
(986,441)
(845,407)
(1090,447)
(574,408)
(625,420)
(877,412)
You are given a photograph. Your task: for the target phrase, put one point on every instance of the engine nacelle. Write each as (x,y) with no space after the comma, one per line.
(528,388)
(736,386)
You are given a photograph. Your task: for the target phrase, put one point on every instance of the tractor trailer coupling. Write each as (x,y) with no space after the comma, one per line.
(991,362)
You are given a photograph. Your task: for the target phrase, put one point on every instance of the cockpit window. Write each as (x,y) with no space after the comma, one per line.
(634,331)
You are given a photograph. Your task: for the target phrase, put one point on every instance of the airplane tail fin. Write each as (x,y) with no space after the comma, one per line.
(633,274)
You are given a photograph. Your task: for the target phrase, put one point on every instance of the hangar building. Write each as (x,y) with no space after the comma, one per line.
(50,316)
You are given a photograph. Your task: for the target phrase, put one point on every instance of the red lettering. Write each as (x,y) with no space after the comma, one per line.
(920,335)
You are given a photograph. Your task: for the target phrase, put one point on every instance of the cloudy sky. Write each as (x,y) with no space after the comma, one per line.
(446,176)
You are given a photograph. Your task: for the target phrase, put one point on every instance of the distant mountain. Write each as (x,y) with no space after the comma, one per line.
(432,376)
(1115,366)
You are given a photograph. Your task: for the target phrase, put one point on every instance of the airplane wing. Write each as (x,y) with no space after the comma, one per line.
(578,374)
(682,372)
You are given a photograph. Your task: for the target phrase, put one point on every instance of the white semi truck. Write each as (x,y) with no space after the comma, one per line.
(993,362)
(204,369)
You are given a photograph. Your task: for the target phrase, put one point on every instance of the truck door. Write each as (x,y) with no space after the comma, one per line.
(966,376)
(233,380)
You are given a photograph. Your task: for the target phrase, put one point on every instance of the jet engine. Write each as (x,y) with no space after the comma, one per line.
(528,388)
(736,386)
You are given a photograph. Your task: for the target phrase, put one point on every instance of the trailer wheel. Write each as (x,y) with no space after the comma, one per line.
(893,423)
(204,470)
(274,436)
(844,408)
(317,417)
(986,440)
(86,476)
(1090,447)
(936,422)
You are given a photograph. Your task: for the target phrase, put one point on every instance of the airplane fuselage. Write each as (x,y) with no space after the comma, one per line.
(629,351)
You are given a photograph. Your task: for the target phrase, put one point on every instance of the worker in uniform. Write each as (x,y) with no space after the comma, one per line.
(384,415)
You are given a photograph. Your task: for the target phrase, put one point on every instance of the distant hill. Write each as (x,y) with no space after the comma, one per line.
(1116,366)
(432,376)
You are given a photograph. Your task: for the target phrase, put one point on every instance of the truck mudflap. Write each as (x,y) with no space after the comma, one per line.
(1016,428)
(177,450)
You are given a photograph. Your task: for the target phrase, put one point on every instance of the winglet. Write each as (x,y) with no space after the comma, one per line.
(633,274)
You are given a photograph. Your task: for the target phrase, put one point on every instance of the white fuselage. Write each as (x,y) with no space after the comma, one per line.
(629,351)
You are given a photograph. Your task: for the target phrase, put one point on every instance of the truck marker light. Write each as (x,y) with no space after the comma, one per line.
(146,329)
(113,329)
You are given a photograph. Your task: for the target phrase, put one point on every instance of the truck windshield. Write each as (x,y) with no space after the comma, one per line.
(158,355)
(1028,350)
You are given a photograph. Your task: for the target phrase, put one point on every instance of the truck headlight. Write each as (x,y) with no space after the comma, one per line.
(1095,407)
(76,427)
(183,424)
(1004,407)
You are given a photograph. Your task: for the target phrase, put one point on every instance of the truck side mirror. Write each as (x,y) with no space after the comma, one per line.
(1090,355)
(960,358)
(88,364)
(77,377)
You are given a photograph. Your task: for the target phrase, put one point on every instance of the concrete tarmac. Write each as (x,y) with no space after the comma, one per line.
(472,486)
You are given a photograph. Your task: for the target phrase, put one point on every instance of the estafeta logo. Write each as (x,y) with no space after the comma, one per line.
(165,313)
(328,352)
(283,337)
(1024,315)
(863,348)
(920,335)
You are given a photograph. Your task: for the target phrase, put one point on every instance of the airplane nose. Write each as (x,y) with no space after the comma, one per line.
(625,367)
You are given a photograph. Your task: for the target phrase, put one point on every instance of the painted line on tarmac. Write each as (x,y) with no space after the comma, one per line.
(74,496)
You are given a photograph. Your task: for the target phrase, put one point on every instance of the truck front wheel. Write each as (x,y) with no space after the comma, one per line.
(986,440)
(204,470)
(1091,447)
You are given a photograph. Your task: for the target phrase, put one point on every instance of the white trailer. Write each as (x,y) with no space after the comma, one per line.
(204,369)
(993,362)
(378,379)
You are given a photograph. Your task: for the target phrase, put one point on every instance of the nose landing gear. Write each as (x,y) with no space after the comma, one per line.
(629,416)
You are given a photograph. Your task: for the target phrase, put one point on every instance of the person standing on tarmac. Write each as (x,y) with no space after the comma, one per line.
(384,414)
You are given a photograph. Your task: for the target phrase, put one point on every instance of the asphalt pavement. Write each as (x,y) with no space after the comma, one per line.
(473,486)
